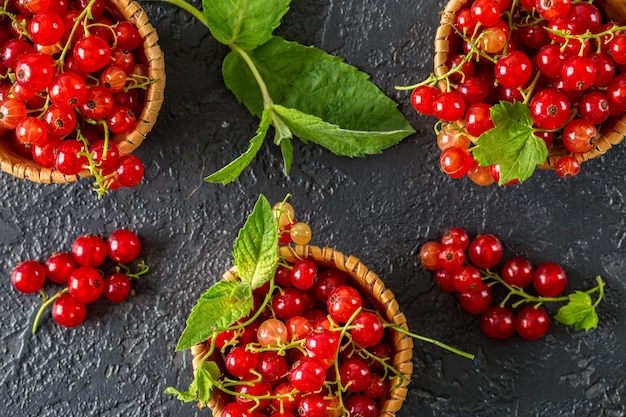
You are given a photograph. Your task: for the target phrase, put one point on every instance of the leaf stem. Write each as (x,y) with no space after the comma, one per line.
(46,302)
(267,100)
(188,8)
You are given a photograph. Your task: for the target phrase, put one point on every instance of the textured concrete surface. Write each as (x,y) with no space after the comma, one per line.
(381,209)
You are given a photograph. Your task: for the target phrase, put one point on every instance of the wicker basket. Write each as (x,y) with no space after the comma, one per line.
(613,130)
(13,163)
(370,285)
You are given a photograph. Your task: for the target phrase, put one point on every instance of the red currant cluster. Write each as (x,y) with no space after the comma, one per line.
(72,75)
(316,348)
(556,57)
(79,271)
(462,265)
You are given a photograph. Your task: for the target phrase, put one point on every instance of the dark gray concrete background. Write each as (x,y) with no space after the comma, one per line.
(380,209)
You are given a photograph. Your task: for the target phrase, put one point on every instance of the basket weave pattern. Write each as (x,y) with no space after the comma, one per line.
(612,131)
(124,10)
(370,285)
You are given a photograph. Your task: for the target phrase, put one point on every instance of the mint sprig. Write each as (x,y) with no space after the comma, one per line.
(303,90)
(255,258)
(511,144)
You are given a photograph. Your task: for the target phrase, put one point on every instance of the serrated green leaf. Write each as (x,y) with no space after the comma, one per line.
(339,141)
(511,144)
(248,23)
(578,312)
(254,254)
(201,388)
(232,171)
(217,308)
(314,82)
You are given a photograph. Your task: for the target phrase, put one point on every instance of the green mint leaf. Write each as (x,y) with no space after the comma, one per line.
(578,312)
(231,171)
(219,307)
(511,144)
(201,387)
(339,141)
(248,23)
(314,82)
(255,253)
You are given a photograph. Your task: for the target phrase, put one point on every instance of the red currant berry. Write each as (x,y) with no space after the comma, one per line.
(127,36)
(271,365)
(343,302)
(456,162)
(121,120)
(580,136)
(59,121)
(532,323)
(68,311)
(361,406)
(303,274)
(322,344)
(549,109)
(549,279)
(517,272)
(485,251)
(59,266)
(46,28)
(30,131)
(123,246)
(445,280)
(34,71)
(451,257)
(514,69)
(326,282)
(429,255)
(129,171)
(477,301)
(457,236)
(28,276)
(307,375)
(422,99)
(12,111)
(240,362)
(369,329)
(449,106)
(116,287)
(354,374)
(68,90)
(92,53)
(89,250)
(498,322)
(288,303)
(272,332)
(98,104)
(85,284)
(467,279)
(567,166)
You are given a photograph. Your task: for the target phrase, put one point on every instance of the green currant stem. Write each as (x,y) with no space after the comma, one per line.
(101,186)
(134,275)
(79,19)
(430,340)
(46,303)
(527,298)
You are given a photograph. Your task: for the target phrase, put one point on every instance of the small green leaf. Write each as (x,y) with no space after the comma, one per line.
(578,312)
(511,144)
(286,149)
(231,171)
(339,141)
(254,254)
(201,388)
(314,82)
(219,307)
(248,23)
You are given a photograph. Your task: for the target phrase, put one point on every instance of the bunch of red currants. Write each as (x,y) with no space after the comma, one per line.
(464,266)
(317,349)
(80,271)
(558,58)
(73,76)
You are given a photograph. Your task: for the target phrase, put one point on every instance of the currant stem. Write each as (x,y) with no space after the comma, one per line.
(47,302)
(430,340)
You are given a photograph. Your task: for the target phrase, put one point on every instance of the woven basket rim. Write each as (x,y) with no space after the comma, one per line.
(25,168)
(612,132)
(370,285)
